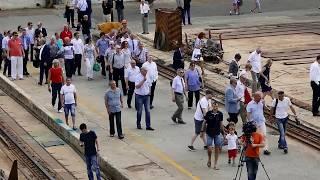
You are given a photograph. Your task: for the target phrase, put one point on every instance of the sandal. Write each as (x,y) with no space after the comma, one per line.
(209,164)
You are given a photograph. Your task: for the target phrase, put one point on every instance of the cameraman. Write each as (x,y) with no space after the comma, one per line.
(253,141)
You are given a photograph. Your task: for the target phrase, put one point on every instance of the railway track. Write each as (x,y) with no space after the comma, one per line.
(300,132)
(37,169)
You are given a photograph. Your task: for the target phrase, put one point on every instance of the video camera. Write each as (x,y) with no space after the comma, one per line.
(247,129)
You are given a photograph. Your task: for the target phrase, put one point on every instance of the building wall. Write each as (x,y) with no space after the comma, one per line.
(19,4)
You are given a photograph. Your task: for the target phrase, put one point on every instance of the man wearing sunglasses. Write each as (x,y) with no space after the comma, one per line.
(178,90)
(15,54)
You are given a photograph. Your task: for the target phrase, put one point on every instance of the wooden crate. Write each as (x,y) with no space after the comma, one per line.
(168,32)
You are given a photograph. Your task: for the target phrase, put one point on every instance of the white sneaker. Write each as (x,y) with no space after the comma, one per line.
(60,111)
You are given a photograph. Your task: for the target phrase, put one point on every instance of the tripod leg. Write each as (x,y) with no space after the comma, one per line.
(264,169)
(240,164)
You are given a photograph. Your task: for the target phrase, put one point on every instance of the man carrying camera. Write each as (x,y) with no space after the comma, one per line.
(252,142)
(279,111)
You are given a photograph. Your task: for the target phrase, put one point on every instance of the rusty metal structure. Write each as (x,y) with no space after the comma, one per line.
(168,32)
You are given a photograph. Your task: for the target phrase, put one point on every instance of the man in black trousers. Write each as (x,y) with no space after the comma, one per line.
(315,85)
(186,11)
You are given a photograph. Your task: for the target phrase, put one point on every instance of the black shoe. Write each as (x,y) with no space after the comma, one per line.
(181,122)
(229,161)
(121,137)
(46,83)
(73,26)
(79,74)
(191,148)
(26,74)
(39,83)
(280,147)
(174,120)
(9,75)
(316,114)
(266,152)
(139,127)
(111,135)
(285,151)
(149,129)
(129,106)
(151,107)
(205,147)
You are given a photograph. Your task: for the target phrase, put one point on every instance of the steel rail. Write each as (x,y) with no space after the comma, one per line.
(21,151)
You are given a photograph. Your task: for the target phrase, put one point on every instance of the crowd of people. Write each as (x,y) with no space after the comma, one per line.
(123,57)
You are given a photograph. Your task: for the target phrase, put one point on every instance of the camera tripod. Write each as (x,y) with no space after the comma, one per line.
(241,163)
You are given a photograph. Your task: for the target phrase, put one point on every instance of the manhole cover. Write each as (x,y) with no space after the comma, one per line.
(53,143)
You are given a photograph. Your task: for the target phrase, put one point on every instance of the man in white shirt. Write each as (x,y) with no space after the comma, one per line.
(315,80)
(142,91)
(133,43)
(255,113)
(4,46)
(130,75)
(279,110)
(78,52)
(203,107)
(152,75)
(30,32)
(144,11)
(255,61)
(82,6)
(68,98)
(178,90)
(240,89)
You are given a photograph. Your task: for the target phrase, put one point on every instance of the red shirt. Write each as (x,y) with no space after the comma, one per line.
(15,47)
(56,75)
(256,138)
(65,34)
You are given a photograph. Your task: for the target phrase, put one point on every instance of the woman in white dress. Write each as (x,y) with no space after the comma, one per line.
(127,53)
(196,55)
(89,57)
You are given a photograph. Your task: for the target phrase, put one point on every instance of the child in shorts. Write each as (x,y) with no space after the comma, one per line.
(232,139)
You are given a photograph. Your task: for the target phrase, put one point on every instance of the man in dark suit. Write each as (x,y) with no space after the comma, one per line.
(178,58)
(48,53)
(234,66)
(39,30)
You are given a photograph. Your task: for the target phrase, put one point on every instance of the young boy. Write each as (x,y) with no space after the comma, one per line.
(232,139)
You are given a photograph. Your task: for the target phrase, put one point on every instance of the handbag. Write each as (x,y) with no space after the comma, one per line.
(196,55)
(96,67)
